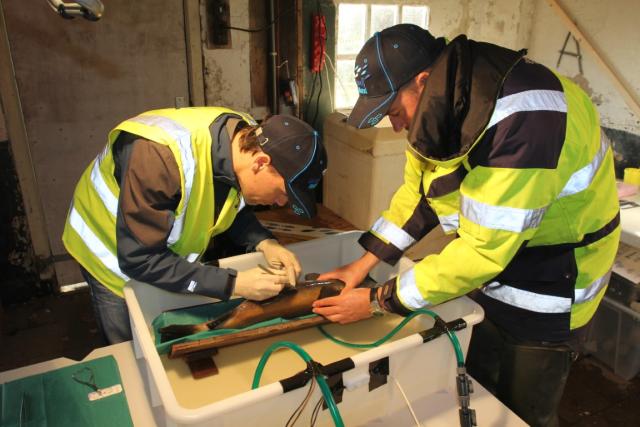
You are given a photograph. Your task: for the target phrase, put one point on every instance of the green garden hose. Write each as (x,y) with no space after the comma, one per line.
(387,337)
(326,392)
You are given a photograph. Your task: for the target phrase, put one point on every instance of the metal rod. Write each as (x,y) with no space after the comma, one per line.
(273,59)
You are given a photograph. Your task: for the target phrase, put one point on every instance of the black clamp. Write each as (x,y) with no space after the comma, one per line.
(333,379)
(441,324)
(378,373)
(465,388)
(332,373)
(313,368)
(441,327)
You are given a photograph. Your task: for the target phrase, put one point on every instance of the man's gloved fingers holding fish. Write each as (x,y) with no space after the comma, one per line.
(279,257)
(259,284)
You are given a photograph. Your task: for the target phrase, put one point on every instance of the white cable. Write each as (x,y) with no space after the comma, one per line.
(336,74)
(413,414)
(329,86)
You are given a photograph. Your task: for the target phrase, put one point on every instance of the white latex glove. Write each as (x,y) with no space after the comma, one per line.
(258,284)
(281,258)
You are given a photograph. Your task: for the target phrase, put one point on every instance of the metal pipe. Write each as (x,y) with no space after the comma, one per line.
(273,59)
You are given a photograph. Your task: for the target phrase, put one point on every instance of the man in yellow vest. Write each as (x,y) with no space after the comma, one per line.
(170,180)
(508,157)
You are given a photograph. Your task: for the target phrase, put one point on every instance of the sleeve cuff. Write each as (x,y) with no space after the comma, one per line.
(384,251)
(231,283)
(390,301)
(218,284)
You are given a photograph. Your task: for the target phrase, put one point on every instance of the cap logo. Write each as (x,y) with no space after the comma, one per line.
(313,183)
(361,74)
(297,210)
(375,119)
(261,138)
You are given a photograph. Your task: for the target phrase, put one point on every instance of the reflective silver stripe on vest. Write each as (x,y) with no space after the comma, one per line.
(109,199)
(410,295)
(449,222)
(394,234)
(591,291)
(183,137)
(529,100)
(500,217)
(192,257)
(94,244)
(408,291)
(526,299)
(581,180)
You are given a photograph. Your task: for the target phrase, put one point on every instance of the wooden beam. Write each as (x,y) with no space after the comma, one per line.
(629,97)
(258,48)
(194,52)
(299,57)
(18,137)
(186,348)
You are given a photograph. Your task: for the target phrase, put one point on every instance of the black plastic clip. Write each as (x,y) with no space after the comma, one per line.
(378,373)
(313,368)
(465,388)
(336,385)
(441,327)
(441,324)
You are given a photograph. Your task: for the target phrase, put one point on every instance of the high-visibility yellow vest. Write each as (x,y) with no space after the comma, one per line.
(90,230)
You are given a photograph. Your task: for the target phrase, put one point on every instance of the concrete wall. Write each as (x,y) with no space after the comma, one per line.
(503,22)
(227,71)
(613,28)
(517,24)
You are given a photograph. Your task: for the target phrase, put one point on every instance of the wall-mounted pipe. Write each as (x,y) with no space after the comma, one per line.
(273,57)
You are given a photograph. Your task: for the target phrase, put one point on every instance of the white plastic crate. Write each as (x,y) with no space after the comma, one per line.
(614,337)
(226,399)
(366,167)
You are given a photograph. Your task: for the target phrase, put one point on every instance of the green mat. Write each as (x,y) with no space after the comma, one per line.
(204,313)
(55,399)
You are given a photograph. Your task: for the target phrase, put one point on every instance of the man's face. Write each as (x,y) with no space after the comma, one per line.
(404,106)
(262,184)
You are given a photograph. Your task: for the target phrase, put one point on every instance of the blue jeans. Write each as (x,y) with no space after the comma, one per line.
(110,310)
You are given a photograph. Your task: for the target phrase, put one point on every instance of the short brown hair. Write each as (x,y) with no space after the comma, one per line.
(248,139)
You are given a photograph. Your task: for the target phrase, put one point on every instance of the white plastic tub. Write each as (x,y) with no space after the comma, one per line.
(226,399)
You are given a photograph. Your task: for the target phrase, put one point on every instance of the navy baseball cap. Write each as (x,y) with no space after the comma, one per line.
(388,60)
(298,155)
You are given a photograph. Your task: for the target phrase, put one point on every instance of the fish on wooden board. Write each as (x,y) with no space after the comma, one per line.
(288,304)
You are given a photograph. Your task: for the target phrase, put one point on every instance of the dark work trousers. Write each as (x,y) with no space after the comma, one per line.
(528,377)
(110,310)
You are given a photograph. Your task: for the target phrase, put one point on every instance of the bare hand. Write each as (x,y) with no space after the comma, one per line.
(349,306)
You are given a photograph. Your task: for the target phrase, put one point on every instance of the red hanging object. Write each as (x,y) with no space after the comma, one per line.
(318,42)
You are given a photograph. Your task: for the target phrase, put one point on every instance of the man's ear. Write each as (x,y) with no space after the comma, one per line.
(421,79)
(260,161)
